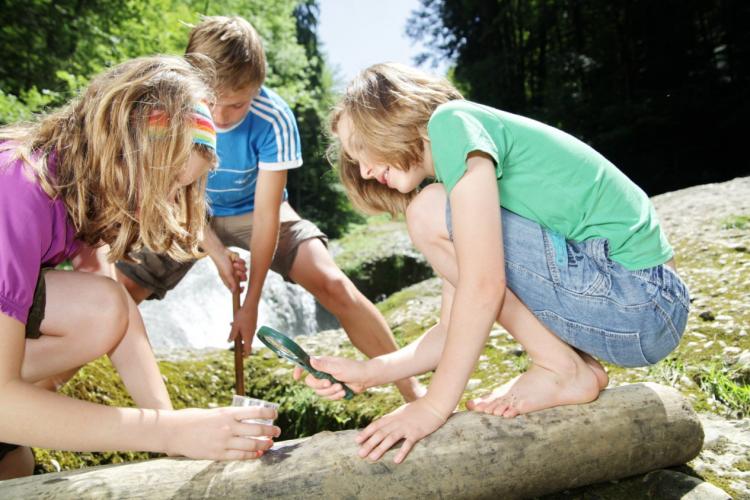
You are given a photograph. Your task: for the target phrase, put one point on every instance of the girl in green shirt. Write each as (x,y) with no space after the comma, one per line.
(527,226)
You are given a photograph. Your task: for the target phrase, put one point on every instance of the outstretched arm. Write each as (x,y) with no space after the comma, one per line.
(269,192)
(418,357)
(478,299)
(81,426)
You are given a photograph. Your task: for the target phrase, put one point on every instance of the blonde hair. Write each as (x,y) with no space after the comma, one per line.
(114,176)
(235,49)
(388,106)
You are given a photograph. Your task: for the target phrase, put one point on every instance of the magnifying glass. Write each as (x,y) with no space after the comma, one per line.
(286,348)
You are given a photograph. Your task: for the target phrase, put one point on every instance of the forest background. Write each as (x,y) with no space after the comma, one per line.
(660,88)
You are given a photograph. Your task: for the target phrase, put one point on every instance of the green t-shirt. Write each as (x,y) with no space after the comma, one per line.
(552,178)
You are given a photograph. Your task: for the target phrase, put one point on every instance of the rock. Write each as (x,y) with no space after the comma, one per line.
(707,316)
(726,447)
(743,361)
(671,484)
(473,384)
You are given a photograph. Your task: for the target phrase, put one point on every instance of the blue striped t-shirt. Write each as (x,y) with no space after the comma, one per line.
(266,139)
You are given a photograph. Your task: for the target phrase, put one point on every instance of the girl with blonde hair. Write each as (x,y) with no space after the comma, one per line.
(527,226)
(123,165)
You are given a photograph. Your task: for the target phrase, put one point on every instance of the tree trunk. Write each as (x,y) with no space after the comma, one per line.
(629,430)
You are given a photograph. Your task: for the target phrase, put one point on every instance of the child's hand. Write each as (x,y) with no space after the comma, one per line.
(244,323)
(351,372)
(232,269)
(220,434)
(411,422)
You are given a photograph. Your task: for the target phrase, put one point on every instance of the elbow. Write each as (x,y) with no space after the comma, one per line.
(490,292)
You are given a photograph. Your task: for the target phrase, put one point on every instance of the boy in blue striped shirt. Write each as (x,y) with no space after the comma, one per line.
(258,142)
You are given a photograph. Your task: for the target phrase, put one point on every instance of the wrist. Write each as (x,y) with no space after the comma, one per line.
(439,406)
(169,426)
(370,369)
(431,408)
(249,305)
(377,372)
(156,429)
(216,253)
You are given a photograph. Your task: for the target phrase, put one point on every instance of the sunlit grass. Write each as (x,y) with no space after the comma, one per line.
(736,222)
(728,387)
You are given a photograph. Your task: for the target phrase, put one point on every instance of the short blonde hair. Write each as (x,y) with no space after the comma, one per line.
(235,49)
(111,171)
(389,106)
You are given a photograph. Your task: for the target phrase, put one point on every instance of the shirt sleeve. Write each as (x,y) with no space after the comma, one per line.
(280,146)
(22,223)
(454,133)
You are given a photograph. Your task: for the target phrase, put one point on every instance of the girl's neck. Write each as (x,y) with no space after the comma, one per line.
(428,167)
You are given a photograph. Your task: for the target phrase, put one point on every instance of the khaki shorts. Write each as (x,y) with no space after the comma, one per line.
(160,273)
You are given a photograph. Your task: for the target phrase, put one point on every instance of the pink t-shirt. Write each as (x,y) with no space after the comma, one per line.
(35,232)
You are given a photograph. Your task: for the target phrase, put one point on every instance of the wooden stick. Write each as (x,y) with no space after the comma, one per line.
(239,373)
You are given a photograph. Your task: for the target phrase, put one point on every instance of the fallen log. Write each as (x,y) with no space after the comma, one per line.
(629,430)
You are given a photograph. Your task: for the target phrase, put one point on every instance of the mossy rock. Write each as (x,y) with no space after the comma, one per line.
(380,258)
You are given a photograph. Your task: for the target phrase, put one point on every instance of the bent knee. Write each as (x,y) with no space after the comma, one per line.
(337,292)
(425,216)
(111,314)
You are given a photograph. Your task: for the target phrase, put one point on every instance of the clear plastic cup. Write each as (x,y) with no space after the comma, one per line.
(238,400)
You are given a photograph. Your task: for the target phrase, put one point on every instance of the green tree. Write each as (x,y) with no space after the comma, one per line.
(660,88)
(52,48)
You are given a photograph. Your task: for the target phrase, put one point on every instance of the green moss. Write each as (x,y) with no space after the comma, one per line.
(720,482)
(366,241)
(209,382)
(736,222)
(379,258)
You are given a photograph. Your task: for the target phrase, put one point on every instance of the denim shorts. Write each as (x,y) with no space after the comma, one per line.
(629,318)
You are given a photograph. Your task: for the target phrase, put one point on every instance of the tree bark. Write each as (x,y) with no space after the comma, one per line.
(629,430)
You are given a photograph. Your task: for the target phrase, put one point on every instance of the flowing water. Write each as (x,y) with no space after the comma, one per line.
(198,312)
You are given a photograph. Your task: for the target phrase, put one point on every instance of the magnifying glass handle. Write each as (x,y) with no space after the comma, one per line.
(348,393)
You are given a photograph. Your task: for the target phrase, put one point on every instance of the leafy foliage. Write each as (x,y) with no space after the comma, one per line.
(51,49)
(660,88)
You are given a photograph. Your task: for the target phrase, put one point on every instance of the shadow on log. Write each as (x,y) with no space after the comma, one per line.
(629,430)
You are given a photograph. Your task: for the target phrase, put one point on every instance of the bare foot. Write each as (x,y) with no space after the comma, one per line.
(597,368)
(411,389)
(539,388)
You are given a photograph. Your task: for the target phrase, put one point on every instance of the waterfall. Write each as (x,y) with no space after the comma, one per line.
(198,312)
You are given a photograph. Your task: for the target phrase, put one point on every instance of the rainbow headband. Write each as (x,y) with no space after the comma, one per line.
(203,128)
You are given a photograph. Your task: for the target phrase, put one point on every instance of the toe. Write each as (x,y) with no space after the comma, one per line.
(500,407)
(511,412)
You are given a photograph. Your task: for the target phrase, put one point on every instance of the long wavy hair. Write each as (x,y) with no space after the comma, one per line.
(389,105)
(113,173)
